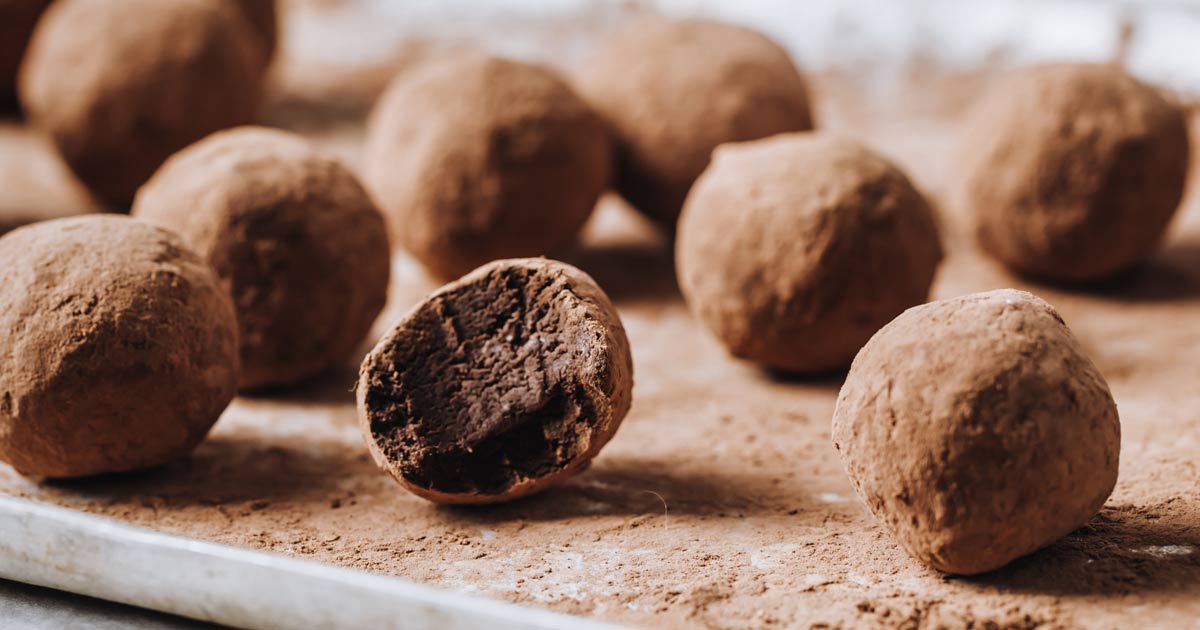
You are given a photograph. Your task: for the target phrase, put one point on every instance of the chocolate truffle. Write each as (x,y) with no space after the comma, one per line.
(795,249)
(120,85)
(497,385)
(976,430)
(119,346)
(17,19)
(476,158)
(672,91)
(1073,171)
(293,236)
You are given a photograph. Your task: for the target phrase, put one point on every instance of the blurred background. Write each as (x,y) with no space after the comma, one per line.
(879,68)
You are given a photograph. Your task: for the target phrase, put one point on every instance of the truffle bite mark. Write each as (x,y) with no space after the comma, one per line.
(498,384)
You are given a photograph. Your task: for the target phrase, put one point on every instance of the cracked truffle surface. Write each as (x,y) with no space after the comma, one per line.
(292,234)
(476,158)
(794,250)
(119,347)
(977,431)
(498,384)
(120,85)
(671,91)
(1073,171)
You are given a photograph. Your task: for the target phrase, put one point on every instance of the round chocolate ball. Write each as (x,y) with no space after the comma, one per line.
(672,91)
(120,85)
(291,233)
(497,385)
(1073,171)
(977,431)
(476,158)
(795,249)
(17,19)
(120,347)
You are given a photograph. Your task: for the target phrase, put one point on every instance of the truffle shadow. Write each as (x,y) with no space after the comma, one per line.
(831,380)
(1123,550)
(1173,275)
(630,272)
(334,386)
(231,469)
(633,487)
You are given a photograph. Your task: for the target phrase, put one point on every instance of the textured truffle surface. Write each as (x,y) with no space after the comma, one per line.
(498,384)
(671,91)
(120,85)
(1073,171)
(976,430)
(17,19)
(476,158)
(119,347)
(292,234)
(795,249)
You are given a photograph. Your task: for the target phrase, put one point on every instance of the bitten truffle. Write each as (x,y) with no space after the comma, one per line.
(672,91)
(291,233)
(795,249)
(120,85)
(1073,171)
(976,430)
(475,158)
(119,346)
(17,19)
(497,385)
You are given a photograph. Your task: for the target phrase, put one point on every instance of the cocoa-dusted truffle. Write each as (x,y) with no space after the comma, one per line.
(17,19)
(122,84)
(291,233)
(977,431)
(674,90)
(498,384)
(795,249)
(1073,171)
(476,158)
(119,346)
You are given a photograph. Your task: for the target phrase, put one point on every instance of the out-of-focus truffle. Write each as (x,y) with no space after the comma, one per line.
(795,249)
(120,347)
(673,90)
(475,158)
(291,233)
(1073,171)
(497,385)
(17,19)
(976,430)
(120,85)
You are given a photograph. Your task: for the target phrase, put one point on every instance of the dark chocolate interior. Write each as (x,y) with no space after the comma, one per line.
(484,385)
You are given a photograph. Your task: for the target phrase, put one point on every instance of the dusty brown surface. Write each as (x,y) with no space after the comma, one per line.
(721,503)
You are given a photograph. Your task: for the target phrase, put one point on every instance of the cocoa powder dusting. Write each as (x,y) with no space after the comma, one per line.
(721,502)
